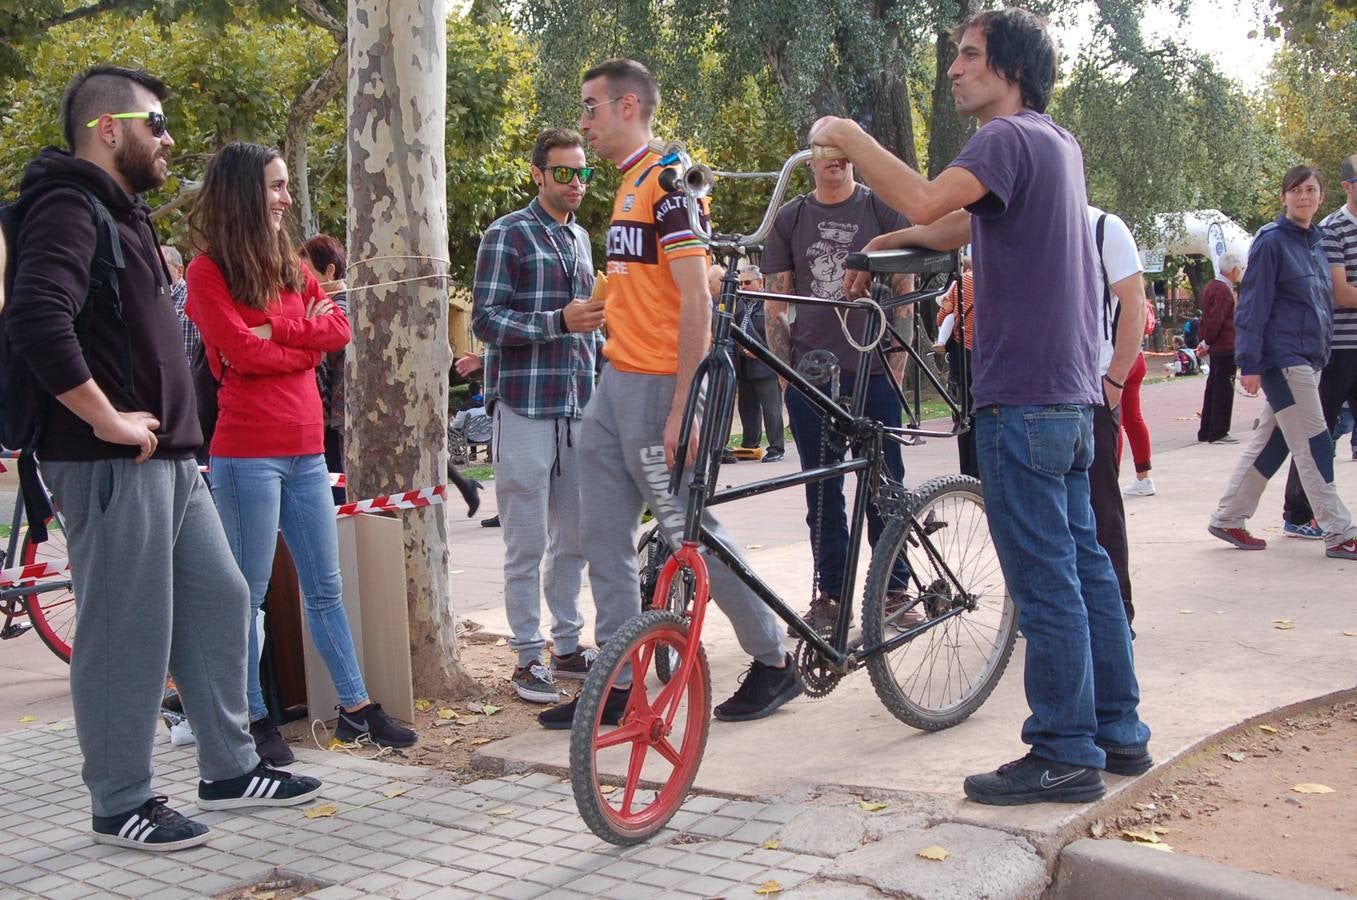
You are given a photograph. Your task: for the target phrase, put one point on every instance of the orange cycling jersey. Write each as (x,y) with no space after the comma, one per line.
(649,228)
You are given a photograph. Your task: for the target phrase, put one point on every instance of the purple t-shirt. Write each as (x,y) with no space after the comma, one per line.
(1037,302)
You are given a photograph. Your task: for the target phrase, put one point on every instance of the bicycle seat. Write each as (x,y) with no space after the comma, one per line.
(905,261)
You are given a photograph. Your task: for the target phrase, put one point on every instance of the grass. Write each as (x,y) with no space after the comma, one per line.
(479,473)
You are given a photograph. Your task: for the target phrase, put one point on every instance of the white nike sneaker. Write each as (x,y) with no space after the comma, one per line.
(1141,487)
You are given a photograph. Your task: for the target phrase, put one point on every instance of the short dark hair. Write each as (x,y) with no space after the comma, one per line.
(1018,48)
(322,251)
(629,77)
(1297,175)
(103,89)
(552,138)
(1347,169)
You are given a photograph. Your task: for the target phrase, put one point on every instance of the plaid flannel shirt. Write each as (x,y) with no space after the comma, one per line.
(524,272)
(179,294)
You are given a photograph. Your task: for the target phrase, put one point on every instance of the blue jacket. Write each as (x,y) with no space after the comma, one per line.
(1285,312)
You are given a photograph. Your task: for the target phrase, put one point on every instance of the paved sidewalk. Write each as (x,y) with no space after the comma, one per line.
(517,836)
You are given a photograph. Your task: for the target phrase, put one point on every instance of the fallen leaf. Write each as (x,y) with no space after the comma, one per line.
(1350,634)
(25,719)
(753,546)
(58,728)
(394,792)
(1161,846)
(501,642)
(769,887)
(1312,789)
(479,741)
(1281,622)
(1159,829)
(871,806)
(606,789)
(448,742)
(336,744)
(263,895)
(1284,626)
(423,705)
(321,812)
(446,714)
(1268,728)
(770,844)
(502,811)
(933,852)
(1140,836)
(1220,612)
(1236,756)
(489,709)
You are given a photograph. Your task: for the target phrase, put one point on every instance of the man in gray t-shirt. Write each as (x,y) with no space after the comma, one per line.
(805,254)
(1016,191)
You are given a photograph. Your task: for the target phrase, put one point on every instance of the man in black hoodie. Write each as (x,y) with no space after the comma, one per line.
(158,588)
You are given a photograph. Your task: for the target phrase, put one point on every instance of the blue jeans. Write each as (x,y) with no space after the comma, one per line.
(1079,672)
(256,495)
(830,542)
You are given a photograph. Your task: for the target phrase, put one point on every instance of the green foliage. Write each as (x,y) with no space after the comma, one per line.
(1313,98)
(1309,21)
(1163,131)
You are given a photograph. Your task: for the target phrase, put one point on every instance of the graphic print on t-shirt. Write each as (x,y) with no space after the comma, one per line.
(825,258)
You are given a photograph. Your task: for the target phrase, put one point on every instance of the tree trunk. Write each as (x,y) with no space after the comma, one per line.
(397,369)
(311,100)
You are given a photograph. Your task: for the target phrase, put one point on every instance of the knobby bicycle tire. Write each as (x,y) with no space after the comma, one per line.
(52,613)
(942,675)
(623,777)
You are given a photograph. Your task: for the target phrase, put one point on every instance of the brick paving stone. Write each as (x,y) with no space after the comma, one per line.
(74,891)
(781,813)
(478,842)
(549,853)
(172,893)
(594,884)
(742,809)
(584,841)
(514,867)
(374,881)
(708,886)
(538,780)
(320,843)
(511,828)
(656,856)
(520,890)
(723,849)
(49,881)
(715,826)
(408,890)
(36,854)
(482,882)
(335,892)
(411,868)
(755,832)
(343,873)
(141,887)
(413,847)
(450,893)
(383,840)
(623,870)
(446,855)
(695,863)
(704,804)
(737,871)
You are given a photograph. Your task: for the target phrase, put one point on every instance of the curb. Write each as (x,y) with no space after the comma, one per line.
(1091,868)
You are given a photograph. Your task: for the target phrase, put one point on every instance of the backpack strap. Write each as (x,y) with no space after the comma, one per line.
(1107,290)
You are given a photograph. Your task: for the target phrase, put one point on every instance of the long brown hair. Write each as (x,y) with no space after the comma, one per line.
(230,223)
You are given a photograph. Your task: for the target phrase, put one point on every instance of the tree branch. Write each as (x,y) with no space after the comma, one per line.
(71,15)
(313,10)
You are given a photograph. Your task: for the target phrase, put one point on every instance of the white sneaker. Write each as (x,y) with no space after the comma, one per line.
(1141,487)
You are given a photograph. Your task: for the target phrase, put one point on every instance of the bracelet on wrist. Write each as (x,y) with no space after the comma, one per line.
(1116,384)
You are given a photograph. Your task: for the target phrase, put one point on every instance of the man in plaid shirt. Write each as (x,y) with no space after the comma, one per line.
(534,276)
(179,294)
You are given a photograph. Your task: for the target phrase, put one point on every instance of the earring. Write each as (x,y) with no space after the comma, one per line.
(112,142)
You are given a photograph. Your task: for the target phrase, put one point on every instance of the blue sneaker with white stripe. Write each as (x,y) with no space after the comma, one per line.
(151,826)
(1310,531)
(261,786)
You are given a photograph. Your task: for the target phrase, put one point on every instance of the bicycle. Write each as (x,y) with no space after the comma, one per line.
(938,626)
(48,605)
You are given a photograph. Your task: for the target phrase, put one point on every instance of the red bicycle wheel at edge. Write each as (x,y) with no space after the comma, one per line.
(630,779)
(51,612)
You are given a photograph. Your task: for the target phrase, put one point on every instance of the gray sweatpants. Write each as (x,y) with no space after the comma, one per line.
(1291,419)
(537,489)
(158,590)
(622,469)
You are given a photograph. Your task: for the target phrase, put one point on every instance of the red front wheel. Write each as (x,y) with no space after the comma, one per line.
(52,612)
(632,764)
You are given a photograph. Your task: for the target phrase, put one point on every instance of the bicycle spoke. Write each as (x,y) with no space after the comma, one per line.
(638,758)
(619,735)
(666,749)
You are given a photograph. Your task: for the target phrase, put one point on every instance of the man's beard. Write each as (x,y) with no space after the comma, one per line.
(136,163)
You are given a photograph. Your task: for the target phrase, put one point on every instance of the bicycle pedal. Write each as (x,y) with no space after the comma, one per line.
(15,629)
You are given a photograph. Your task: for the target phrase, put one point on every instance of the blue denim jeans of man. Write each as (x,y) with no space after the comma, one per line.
(1079,672)
(254,497)
(830,542)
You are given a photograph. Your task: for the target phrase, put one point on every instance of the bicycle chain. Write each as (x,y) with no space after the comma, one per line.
(817,679)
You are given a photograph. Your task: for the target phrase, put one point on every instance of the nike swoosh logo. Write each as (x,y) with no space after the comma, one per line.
(356,726)
(1048,782)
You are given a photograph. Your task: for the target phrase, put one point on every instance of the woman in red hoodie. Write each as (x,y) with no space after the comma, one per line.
(265,324)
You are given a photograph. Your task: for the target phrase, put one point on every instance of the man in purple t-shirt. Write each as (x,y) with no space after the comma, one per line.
(1016,192)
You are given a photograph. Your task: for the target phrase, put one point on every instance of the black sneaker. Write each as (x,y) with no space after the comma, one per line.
(151,826)
(561,718)
(376,725)
(773,454)
(269,744)
(1127,760)
(762,689)
(261,786)
(574,665)
(1035,780)
(533,683)
(728,457)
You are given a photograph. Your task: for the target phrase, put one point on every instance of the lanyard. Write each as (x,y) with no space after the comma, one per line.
(571,270)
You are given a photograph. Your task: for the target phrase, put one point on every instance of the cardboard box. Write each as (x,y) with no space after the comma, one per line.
(372,563)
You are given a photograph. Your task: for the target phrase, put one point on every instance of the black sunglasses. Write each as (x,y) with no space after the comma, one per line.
(159,124)
(566,174)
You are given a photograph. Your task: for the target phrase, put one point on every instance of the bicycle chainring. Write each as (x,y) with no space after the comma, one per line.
(817,679)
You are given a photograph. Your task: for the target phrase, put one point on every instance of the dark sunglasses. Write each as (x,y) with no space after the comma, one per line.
(566,174)
(159,124)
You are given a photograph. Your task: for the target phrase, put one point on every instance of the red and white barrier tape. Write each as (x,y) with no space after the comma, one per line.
(431,496)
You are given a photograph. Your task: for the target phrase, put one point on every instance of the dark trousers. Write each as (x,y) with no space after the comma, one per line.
(760,404)
(1218,401)
(1109,515)
(825,499)
(965,443)
(1337,384)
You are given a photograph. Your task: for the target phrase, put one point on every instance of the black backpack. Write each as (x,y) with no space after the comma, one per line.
(24,403)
